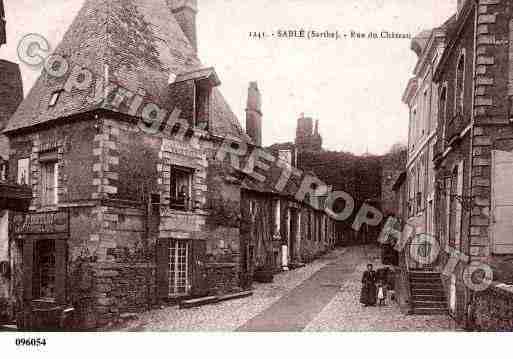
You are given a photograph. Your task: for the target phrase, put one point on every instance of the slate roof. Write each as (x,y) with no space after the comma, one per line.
(136,44)
(272,177)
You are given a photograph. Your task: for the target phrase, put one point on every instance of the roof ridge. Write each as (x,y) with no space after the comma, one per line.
(139,42)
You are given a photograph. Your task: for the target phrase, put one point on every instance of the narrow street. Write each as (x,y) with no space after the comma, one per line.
(323,296)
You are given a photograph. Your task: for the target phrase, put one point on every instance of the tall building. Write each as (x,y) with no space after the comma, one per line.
(308,138)
(11,92)
(12,197)
(118,196)
(421,97)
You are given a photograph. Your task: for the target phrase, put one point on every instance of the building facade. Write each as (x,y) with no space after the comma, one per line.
(473,158)
(125,215)
(13,198)
(421,96)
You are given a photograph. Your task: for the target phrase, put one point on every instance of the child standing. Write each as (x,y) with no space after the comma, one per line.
(381,293)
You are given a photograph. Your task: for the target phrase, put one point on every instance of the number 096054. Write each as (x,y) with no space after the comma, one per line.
(30,342)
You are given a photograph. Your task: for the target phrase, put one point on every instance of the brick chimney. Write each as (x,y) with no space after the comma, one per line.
(185,14)
(254,114)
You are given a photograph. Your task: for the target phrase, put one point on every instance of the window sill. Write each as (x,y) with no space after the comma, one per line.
(45,301)
(52,208)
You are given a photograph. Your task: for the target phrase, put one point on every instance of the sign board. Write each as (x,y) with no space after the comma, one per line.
(41,223)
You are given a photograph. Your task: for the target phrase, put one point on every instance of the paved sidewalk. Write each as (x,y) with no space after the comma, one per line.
(300,306)
(323,296)
(345,313)
(228,316)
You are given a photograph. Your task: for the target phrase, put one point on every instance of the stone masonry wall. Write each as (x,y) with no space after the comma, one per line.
(493,309)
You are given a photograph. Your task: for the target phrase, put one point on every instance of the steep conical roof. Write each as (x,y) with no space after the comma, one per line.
(136,44)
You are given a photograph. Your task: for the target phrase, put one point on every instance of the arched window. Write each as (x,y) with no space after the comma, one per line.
(460,85)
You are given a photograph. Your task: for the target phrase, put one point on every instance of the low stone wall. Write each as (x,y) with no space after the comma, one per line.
(107,290)
(222,278)
(493,309)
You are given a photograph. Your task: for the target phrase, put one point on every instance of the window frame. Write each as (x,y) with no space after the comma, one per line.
(443,112)
(202,90)
(173,200)
(18,174)
(38,270)
(175,246)
(459,96)
(46,160)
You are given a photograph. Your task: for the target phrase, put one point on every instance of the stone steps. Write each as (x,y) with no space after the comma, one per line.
(427,293)
(430,311)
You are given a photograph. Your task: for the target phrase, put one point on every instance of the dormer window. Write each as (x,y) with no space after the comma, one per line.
(191,92)
(54,98)
(202,92)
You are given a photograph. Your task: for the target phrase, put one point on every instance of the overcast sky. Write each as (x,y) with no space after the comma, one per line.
(353,87)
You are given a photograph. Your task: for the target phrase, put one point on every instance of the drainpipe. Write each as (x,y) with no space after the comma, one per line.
(147,212)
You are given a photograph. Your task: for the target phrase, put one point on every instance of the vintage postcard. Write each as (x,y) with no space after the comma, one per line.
(255,166)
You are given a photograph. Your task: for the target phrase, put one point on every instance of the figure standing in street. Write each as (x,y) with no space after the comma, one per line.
(369,291)
(381,293)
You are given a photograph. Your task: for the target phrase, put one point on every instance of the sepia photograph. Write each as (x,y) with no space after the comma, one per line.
(255,166)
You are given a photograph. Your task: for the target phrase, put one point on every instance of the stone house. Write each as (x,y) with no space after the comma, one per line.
(13,198)
(421,96)
(124,215)
(129,208)
(473,160)
(278,230)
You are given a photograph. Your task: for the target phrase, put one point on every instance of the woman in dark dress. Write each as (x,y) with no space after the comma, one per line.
(369,290)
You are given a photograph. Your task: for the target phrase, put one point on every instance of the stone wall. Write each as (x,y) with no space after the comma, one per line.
(222,278)
(493,309)
(103,291)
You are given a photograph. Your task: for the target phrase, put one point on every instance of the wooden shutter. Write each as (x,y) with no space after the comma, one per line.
(197,258)
(459,192)
(502,203)
(162,258)
(28,267)
(61,254)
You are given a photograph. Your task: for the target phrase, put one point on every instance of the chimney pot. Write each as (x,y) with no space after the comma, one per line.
(254,114)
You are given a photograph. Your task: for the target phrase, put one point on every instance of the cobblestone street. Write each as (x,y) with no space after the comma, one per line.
(323,296)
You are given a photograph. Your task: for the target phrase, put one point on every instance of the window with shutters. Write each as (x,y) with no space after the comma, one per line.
(43,281)
(502,203)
